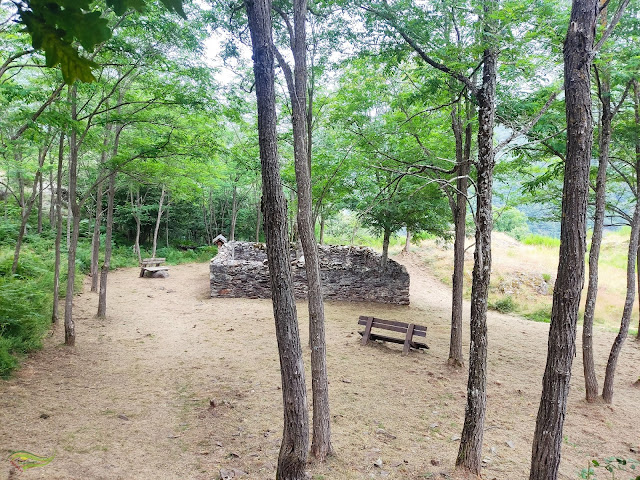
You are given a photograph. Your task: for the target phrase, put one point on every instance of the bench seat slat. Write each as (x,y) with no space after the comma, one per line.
(155,269)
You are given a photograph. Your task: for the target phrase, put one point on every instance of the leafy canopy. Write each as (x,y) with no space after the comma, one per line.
(58,26)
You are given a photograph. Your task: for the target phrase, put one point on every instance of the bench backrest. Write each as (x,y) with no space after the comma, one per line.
(393,325)
(146,261)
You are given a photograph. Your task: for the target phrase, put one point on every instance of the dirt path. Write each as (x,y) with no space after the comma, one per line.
(132,399)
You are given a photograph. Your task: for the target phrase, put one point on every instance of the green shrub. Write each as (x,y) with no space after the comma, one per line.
(504,305)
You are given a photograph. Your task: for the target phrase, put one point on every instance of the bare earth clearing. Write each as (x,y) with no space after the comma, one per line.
(132,399)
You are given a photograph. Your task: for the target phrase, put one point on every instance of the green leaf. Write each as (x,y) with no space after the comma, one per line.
(121,6)
(174,6)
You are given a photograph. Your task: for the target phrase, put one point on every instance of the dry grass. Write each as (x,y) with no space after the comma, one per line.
(526,273)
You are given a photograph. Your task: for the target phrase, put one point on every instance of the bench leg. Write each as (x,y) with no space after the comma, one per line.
(142,272)
(408,339)
(367,331)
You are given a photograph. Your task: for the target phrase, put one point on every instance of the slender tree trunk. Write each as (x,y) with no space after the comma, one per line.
(463,153)
(74,208)
(322,220)
(607,388)
(52,198)
(136,215)
(295,439)
(40,194)
(604,140)
(547,440)
(385,247)
(58,222)
(407,242)
(297,86)
(234,213)
(470,451)
(155,231)
(166,225)
(104,271)
(26,207)
(95,241)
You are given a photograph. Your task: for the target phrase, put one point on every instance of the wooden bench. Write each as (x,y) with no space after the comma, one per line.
(152,265)
(408,329)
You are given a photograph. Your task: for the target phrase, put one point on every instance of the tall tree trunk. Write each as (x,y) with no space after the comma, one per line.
(604,140)
(111,192)
(95,241)
(58,222)
(463,154)
(385,247)
(470,451)
(322,220)
(547,440)
(155,231)
(297,86)
(104,271)
(74,208)
(295,439)
(607,388)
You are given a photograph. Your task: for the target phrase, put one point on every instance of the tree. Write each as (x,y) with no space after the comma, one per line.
(547,440)
(297,86)
(295,438)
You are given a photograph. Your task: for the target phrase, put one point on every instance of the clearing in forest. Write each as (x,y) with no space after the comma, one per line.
(176,385)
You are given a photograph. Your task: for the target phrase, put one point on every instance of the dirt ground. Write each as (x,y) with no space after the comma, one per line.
(132,399)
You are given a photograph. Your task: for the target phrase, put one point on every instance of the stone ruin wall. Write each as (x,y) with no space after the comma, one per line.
(348,273)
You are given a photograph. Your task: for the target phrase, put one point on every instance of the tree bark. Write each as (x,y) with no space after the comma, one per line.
(407,242)
(58,221)
(157,228)
(95,241)
(385,247)
(104,271)
(295,439)
(74,208)
(463,154)
(470,451)
(40,194)
(607,388)
(604,140)
(297,86)
(234,213)
(547,441)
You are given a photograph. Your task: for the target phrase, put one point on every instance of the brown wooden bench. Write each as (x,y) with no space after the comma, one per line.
(152,265)
(408,329)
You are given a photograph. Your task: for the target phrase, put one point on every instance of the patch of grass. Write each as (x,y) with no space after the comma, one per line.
(504,305)
(542,315)
(541,240)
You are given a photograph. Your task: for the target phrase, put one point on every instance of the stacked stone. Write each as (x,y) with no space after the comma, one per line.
(348,273)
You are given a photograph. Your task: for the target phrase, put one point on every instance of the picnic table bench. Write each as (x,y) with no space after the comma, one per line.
(152,265)
(409,329)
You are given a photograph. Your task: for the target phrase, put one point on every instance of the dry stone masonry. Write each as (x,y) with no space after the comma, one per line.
(348,273)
